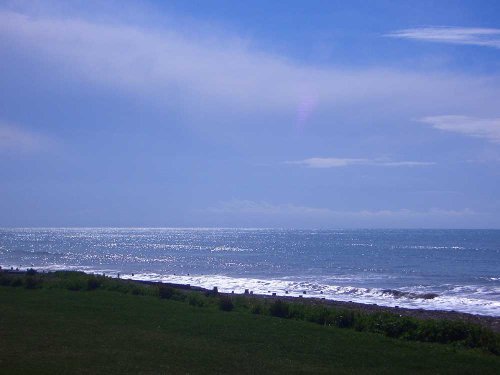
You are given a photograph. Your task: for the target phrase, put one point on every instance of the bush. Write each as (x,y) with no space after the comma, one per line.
(343,319)
(226,304)
(483,338)
(165,292)
(93,283)
(4,280)
(195,299)
(31,282)
(69,274)
(279,309)
(17,282)
(116,285)
(257,308)
(240,302)
(31,272)
(75,285)
(316,314)
(137,291)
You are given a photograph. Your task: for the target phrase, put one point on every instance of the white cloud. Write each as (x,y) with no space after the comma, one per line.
(248,207)
(217,72)
(344,162)
(471,126)
(264,208)
(453,35)
(402,213)
(404,163)
(16,139)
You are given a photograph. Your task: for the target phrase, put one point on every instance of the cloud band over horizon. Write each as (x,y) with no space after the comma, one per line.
(344,162)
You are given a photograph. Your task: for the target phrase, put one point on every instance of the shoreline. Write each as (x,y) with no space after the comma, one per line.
(487,321)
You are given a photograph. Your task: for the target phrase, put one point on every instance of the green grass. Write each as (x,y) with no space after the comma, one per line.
(444,331)
(55,330)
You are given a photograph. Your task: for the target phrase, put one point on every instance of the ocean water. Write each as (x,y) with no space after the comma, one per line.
(430,269)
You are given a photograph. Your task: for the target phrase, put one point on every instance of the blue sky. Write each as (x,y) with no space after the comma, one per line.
(328,114)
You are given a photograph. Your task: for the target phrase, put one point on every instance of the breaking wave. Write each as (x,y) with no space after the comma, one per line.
(468,299)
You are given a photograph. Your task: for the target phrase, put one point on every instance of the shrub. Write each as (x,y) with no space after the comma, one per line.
(16,282)
(279,309)
(299,312)
(69,274)
(165,292)
(179,297)
(31,282)
(93,283)
(137,291)
(226,304)
(240,302)
(4,280)
(343,318)
(75,285)
(257,308)
(318,314)
(116,285)
(195,299)
(31,272)
(485,339)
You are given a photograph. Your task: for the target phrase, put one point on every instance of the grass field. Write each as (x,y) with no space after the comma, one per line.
(61,331)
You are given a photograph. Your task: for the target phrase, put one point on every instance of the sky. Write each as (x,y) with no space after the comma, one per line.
(318,114)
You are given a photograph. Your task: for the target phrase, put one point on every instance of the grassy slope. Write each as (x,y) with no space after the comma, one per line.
(56,331)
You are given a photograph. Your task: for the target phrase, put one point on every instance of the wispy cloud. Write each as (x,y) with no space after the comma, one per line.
(471,126)
(218,72)
(264,208)
(345,162)
(16,139)
(455,35)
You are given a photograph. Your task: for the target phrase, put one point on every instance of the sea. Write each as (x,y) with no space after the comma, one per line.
(420,269)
